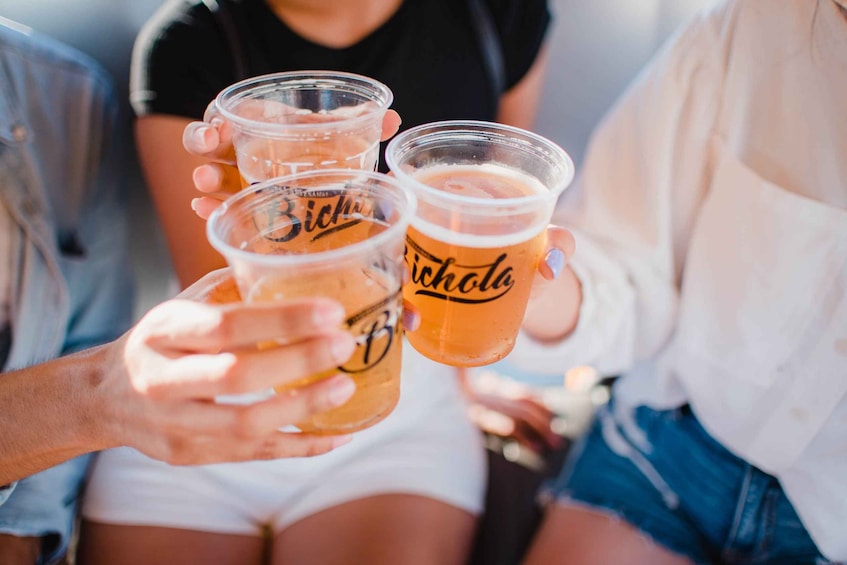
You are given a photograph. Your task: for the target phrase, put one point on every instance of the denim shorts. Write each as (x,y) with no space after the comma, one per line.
(661,472)
(44,505)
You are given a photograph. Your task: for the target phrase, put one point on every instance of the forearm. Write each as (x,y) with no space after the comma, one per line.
(168,170)
(49,414)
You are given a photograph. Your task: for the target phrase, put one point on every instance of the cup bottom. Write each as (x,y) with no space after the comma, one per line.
(311,427)
(456,356)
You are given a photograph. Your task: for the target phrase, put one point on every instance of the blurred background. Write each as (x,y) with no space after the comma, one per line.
(597,47)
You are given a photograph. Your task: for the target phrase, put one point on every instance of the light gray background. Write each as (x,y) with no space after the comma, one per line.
(597,47)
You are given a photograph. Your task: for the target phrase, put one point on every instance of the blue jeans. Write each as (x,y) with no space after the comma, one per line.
(44,505)
(660,471)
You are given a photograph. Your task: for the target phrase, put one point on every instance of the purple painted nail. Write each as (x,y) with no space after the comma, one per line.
(411,320)
(555,261)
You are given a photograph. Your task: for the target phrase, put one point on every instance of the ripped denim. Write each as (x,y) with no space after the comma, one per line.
(661,472)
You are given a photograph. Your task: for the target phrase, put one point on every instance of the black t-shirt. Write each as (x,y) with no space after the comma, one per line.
(5,343)
(427,53)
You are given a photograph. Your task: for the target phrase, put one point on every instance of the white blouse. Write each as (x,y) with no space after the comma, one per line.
(711,226)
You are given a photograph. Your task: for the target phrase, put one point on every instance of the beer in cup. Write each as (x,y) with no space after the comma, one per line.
(486,193)
(336,234)
(286,123)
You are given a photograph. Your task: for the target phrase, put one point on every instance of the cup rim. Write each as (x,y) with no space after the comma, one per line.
(384,94)
(326,257)
(476,127)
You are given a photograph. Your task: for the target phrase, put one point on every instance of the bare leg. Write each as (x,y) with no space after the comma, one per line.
(578,536)
(16,550)
(108,544)
(395,528)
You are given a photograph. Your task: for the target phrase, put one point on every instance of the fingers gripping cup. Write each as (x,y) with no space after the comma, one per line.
(336,234)
(292,122)
(486,193)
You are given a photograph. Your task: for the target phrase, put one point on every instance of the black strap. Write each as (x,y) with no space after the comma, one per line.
(226,23)
(489,44)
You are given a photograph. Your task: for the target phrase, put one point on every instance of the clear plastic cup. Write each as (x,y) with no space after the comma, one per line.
(486,193)
(285,123)
(337,234)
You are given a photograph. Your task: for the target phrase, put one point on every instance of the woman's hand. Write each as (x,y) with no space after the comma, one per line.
(218,179)
(162,377)
(553,309)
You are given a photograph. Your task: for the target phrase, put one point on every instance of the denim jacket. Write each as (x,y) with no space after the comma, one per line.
(71,283)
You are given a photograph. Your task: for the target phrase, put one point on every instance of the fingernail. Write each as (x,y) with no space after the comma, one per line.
(217,123)
(555,261)
(342,347)
(199,136)
(338,441)
(411,320)
(341,391)
(194,202)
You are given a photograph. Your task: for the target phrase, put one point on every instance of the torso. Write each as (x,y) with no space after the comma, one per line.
(424,50)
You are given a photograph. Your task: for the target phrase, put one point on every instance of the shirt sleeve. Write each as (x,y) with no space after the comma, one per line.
(633,206)
(180,62)
(522,26)
(101,281)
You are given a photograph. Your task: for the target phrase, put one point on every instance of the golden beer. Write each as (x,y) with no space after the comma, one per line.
(293,122)
(375,364)
(262,159)
(336,234)
(471,285)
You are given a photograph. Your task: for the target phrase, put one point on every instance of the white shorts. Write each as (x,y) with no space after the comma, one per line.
(426,447)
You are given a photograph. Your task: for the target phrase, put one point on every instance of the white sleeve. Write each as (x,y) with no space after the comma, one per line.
(633,205)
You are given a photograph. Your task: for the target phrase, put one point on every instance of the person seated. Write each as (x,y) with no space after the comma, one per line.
(66,288)
(420,470)
(711,228)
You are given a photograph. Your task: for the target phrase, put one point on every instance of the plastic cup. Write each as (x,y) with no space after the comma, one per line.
(286,123)
(486,193)
(337,234)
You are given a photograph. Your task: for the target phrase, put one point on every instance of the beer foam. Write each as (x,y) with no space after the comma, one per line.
(479,241)
(486,181)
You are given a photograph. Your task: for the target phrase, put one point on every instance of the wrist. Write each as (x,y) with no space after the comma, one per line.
(93,424)
(49,408)
(554,314)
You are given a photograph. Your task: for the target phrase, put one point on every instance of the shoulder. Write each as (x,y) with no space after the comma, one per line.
(29,56)
(728,32)
(763,28)
(522,27)
(180,60)
(175,22)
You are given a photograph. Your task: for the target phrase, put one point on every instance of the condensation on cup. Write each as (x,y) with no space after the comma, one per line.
(292,122)
(486,193)
(336,234)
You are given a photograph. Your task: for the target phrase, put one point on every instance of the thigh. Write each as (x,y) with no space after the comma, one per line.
(390,528)
(15,550)
(578,536)
(107,544)
(610,480)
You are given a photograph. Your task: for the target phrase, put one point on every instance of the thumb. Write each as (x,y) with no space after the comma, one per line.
(558,251)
